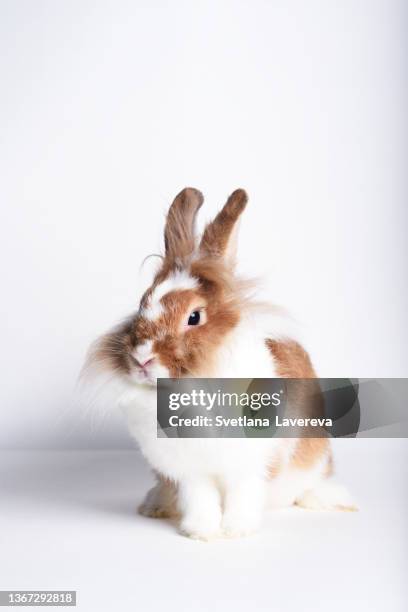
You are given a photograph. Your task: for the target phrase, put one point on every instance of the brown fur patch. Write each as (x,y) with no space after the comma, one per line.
(292,361)
(111,351)
(309,451)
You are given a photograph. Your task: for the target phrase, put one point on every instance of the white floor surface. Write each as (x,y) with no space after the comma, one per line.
(68,521)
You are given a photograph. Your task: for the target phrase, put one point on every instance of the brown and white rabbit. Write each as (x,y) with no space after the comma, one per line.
(197,320)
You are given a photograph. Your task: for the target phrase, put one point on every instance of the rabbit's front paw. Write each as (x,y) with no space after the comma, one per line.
(200,509)
(201,527)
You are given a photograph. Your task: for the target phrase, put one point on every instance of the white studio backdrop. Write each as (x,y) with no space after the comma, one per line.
(109,108)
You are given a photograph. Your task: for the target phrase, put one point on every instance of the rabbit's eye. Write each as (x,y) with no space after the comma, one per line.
(194,318)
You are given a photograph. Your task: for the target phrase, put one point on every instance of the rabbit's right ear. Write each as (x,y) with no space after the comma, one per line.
(220,236)
(179,238)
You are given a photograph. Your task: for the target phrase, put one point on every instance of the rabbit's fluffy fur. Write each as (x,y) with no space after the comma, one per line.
(215,487)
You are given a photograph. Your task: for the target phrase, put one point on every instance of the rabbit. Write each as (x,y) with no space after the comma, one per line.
(198,319)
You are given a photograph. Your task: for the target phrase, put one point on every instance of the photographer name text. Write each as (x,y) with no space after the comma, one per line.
(244,421)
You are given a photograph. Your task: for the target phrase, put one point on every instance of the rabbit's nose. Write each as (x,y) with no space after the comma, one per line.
(146,363)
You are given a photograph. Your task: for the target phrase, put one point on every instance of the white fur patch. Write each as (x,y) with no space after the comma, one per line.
(143,352)
(177,281)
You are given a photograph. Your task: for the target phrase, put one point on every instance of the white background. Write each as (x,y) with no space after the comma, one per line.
(109,108)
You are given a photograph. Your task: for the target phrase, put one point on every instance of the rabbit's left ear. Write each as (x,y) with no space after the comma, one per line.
(220,236)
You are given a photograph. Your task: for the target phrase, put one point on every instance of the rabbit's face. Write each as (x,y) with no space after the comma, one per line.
(192,305)
(182,321)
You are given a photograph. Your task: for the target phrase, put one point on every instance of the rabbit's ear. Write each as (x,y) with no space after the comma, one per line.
(179,239)
(220,236)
